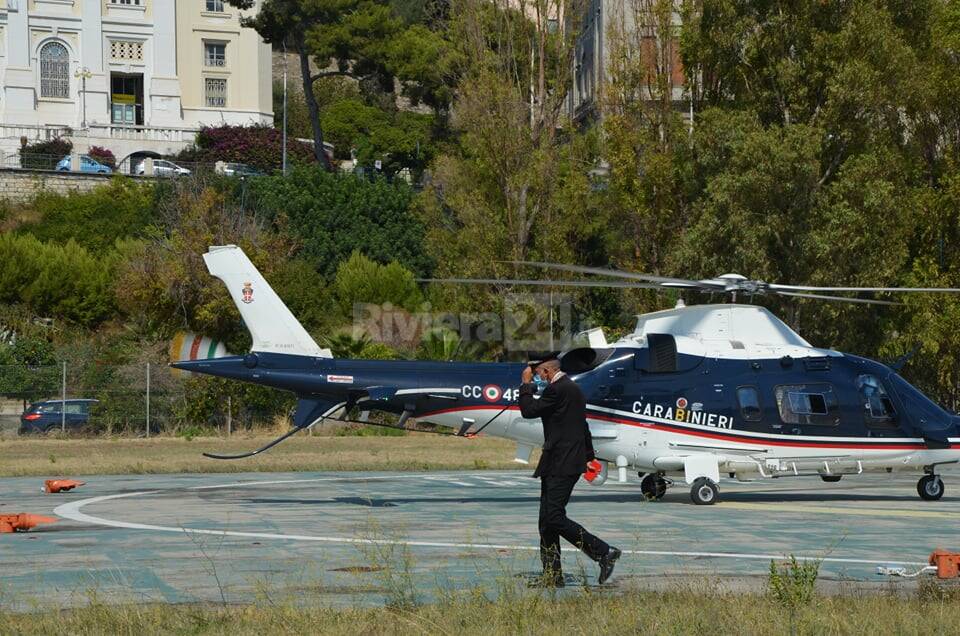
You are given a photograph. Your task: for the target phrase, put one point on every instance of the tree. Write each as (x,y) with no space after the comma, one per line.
(497,195)
(330,216)
(360,280)
(28,369)
(345,38)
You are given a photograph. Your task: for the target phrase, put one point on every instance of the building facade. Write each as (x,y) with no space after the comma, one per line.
(134,76)
(604,26)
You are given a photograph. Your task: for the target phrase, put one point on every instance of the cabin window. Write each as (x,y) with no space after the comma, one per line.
(807,404)
(749,400)
(877,407)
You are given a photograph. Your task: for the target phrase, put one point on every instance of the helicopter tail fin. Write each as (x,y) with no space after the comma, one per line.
(272,326)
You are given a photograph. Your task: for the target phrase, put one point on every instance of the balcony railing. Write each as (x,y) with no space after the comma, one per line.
(33,133)
(138,133)
(103,131)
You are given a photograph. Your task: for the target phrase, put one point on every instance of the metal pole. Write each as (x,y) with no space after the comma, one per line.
(148,399)
(63,404)
(285,109)
(551,321)
(229,415)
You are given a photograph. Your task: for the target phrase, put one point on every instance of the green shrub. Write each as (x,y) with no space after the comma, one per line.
(56,280)
(792,584)
(96,219)
(360,280)
(332,216)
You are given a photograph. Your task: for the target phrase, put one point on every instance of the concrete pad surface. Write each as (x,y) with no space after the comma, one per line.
(369,538)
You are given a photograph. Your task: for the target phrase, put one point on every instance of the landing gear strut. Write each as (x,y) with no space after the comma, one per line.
(653,486)
(704,492)
(930,487)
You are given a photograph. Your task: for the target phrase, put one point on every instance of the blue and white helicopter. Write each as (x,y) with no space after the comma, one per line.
(692,394)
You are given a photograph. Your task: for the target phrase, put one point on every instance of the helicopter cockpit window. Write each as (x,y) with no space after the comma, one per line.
(807,404)
(877,406)
(749,400)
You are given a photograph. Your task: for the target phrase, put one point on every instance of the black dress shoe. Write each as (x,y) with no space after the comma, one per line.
(607,562)
(546,582)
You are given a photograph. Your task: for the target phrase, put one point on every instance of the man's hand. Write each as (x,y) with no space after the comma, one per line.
(527,376)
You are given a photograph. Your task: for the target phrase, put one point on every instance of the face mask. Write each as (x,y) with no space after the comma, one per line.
(540,382)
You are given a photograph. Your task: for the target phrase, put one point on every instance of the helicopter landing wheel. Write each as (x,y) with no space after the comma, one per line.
(704,492)
(930,487)
(653,487)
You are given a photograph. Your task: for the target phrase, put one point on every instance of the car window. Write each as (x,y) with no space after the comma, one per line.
(50,408)
(74,408)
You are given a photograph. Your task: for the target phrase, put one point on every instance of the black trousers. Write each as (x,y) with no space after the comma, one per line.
(554,494)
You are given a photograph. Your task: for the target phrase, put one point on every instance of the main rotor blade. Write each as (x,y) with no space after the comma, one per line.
(865,301)
(948,290)
(545,283)
(602,271)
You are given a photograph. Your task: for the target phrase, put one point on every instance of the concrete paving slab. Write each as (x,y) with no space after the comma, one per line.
(368,538)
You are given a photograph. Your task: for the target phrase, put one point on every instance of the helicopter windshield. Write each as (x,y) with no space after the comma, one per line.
(924,413)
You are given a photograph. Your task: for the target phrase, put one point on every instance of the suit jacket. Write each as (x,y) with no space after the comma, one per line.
(567,446)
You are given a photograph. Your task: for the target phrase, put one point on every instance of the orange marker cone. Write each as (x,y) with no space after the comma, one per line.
(56,485)
(22,522)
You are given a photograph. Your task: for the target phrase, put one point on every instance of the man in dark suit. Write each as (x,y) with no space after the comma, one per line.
(567,447)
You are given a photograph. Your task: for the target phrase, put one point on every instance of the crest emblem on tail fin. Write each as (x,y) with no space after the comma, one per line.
(247,293)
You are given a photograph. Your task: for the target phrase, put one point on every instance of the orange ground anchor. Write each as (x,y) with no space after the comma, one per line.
(22,522)
(947,563)
(58,485)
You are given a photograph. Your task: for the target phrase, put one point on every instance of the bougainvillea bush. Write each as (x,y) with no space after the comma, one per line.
(44,155)
(104,156)
(258,146)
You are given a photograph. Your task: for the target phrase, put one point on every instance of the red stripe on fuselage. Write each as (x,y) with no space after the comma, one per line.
(743,439)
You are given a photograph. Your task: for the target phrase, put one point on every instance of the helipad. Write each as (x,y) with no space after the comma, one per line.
(360,538)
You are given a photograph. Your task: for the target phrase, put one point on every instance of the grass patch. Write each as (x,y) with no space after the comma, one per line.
(673,612)
(24,457)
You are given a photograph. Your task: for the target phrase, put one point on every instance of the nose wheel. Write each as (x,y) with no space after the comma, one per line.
(653,487)
(930,487)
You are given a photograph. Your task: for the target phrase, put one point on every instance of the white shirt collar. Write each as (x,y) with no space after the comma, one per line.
(559,375)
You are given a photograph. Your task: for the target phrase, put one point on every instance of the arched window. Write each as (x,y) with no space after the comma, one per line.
(54,71)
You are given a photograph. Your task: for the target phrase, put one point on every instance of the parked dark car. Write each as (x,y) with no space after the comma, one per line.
(46,416)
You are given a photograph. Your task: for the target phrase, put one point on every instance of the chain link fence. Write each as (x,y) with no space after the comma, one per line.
(136,399)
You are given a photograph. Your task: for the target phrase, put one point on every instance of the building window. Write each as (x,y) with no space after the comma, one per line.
(126,50)
(215,90)
(54,71)
(215,6)
(215,54)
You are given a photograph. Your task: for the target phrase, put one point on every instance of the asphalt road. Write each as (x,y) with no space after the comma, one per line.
(368,538)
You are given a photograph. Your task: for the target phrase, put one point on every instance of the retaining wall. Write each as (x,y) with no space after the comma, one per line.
(20,186)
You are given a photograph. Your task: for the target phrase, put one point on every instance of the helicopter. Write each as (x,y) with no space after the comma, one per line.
(694,394)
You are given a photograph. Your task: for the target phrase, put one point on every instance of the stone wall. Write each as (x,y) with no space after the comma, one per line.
(21,186)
